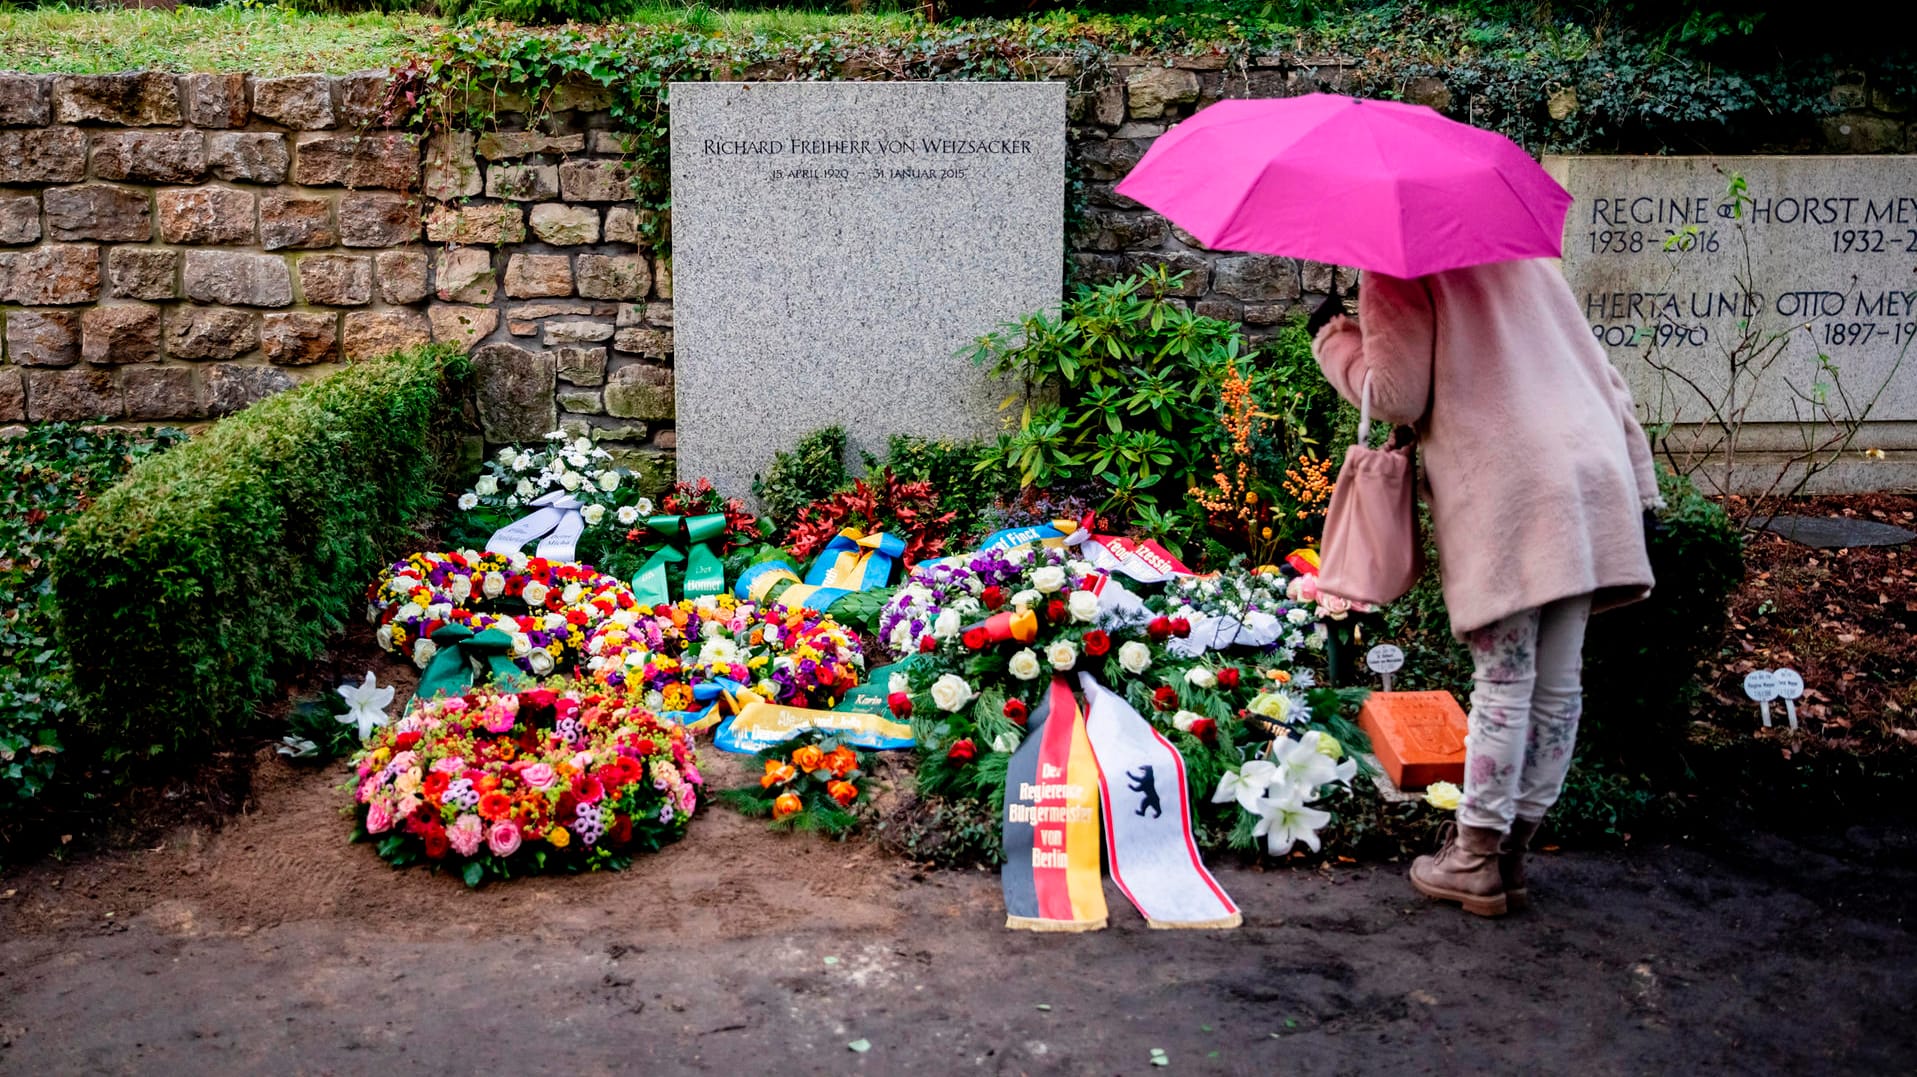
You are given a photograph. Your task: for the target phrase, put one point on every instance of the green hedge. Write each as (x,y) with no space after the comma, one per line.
(188,587)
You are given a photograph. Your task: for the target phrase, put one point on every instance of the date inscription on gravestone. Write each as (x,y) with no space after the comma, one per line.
(837,245)
(1677,262)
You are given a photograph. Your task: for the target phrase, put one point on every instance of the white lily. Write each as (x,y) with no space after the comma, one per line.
(1246,784)
(1284,820)
(1302,765)
(366,705)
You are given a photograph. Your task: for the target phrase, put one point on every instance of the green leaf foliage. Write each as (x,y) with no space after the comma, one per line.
(187,588)
(813,469)
(48,476)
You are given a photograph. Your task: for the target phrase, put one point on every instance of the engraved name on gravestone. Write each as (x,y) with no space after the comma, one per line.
(1671,269)
(837,245)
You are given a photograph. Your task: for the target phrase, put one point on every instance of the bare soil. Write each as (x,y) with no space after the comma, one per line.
(1845,619)
(274,946)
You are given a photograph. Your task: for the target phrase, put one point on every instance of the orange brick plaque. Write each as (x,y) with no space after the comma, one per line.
(1417,736)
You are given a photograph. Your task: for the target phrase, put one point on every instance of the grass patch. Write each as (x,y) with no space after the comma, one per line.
(263,40)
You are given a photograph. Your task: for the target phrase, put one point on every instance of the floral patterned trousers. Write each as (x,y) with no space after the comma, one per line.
(1524,712)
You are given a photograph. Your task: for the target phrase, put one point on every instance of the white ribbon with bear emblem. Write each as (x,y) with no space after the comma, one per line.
(1147,810)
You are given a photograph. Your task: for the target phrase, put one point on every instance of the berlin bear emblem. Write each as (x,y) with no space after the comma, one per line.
(1145,783)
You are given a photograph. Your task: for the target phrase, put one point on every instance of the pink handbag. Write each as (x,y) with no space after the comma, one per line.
(1371,552)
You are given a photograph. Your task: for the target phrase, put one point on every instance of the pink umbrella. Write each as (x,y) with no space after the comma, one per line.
(1379,185)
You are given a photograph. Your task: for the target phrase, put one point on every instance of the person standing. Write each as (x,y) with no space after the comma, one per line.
(1536,473)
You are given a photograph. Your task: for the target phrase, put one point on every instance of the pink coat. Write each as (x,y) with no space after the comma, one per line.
(1536,469)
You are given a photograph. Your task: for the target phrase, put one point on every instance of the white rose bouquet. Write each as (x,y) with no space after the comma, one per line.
(610,501)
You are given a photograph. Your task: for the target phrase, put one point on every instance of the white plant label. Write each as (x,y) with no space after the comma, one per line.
(1761,686)
(1790,686)
(1384,660)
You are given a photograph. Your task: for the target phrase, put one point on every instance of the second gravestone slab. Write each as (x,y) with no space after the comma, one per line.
(1765,295)
(836,245)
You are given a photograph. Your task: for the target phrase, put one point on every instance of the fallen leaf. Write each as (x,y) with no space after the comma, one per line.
(831,960)
(1043,1006)
(860,1046)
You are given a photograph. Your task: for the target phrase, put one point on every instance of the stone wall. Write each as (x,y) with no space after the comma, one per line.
(173,248)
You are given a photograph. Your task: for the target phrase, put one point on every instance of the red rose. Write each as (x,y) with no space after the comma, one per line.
(900,703)
(823,678)
(962,751)
(568,807)
(436,843)
(1159,629)
(1180,627)
(1015,712)
(1205,729)
(645,747)
(927,644)
(976,639)
(539,699)
(1055,611)
(621,832)
(993,597)
(1228,677)
(405,741)
(1097,643)
(1165,698)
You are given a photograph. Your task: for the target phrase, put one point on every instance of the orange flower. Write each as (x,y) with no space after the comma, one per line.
(809,758)
(843,792)
(677,697)
(843,761)
(776,773)
(1279,675)
(494,806)
(787,804)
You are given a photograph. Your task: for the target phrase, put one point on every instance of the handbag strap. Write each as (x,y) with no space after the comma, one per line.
(1364,412)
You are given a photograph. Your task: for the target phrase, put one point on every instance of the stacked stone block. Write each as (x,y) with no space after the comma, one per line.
(177,247)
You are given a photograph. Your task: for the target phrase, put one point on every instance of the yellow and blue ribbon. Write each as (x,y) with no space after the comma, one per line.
(852,561)
(712,694)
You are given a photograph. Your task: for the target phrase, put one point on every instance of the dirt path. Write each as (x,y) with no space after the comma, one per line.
(271,947)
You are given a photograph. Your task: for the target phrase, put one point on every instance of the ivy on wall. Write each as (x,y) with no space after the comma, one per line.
(1551,88)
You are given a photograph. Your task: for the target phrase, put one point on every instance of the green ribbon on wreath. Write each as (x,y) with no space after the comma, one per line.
(704,573)
(450,672)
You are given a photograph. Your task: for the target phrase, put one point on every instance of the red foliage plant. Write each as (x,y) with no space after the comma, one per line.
(906,509)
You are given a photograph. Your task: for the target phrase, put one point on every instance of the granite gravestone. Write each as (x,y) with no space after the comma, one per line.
(836,245)
(1674,271)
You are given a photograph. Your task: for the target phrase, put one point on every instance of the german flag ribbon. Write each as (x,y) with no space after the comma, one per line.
(1051,823)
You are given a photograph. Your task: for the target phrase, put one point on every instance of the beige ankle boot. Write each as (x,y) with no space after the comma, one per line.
(1465,870)
(1511,861)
